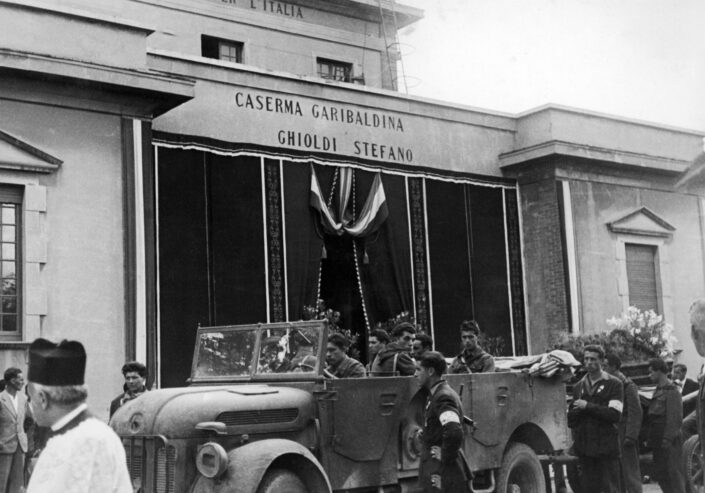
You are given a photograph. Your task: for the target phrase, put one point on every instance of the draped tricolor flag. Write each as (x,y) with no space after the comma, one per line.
(371,217)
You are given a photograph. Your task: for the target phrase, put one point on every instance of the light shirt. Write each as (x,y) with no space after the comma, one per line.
(89,458)
(15,401)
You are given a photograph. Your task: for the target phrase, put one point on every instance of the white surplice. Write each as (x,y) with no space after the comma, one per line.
(86,459)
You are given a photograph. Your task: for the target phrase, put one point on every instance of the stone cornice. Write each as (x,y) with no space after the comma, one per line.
(622,158)
(160,86)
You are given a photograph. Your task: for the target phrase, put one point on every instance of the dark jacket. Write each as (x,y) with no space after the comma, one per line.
(348,368)
(689,386)
(122,399)
(595,431)
(448,436)
(476,362)
(394,359)
(665,415)
(632,414)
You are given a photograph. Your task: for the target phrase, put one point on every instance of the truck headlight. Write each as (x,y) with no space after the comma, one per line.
(212,460)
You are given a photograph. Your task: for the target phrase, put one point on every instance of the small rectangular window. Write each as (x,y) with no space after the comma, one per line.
(334,70)
(642,276)
(221,49)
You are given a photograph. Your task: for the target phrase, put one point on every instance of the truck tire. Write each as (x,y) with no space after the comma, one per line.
(281,480)
(693,464)
(521,471)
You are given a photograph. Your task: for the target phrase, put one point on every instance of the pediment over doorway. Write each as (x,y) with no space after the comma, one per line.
(20,155)
(644,222)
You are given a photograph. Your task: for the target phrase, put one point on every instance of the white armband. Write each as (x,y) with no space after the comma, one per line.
(449,417)
(616,405)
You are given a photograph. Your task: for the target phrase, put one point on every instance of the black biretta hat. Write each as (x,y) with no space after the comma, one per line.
(56,364)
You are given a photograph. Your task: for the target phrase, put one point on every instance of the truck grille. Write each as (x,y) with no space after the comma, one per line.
(151,462)
(265,416)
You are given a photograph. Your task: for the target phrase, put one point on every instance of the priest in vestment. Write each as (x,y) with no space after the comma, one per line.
(83,454)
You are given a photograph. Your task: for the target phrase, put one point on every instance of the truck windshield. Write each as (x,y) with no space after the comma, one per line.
(225,353)
(245,351)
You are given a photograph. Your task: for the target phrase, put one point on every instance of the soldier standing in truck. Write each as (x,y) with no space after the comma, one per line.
(395,359)
(340,365)
(378,340)
(442,468)
(472,359)
(593,416)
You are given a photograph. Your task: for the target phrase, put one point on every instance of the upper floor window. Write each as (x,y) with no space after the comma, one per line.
(10,261)
(221,49)
(642,276)
(334,70)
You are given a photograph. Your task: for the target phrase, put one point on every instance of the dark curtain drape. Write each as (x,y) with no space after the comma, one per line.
(489,263)
(339,286)
(236,240)
(183,260)
(449,246)
(467,253)
(211,250)
(303,242)
(386,279)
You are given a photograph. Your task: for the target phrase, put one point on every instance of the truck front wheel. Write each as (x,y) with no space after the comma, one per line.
(693,464)
(281,480)
(521,471)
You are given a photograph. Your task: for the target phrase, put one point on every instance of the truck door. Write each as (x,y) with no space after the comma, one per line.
(490,399)
(360,429)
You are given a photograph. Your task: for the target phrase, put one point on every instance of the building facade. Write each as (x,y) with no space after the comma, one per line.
(225,162)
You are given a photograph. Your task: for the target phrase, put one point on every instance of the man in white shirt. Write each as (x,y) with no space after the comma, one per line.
(13,439)
(82,455)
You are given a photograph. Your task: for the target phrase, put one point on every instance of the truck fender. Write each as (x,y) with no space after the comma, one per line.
(248,464)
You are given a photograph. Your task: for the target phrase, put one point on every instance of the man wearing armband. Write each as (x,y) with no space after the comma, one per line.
(594,417)
(442,468)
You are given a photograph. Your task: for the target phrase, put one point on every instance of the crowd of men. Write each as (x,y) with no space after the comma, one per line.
(80,453)
(605,415)
(399,353)
(606,419)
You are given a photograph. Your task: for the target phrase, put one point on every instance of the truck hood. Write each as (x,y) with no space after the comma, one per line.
(174,413)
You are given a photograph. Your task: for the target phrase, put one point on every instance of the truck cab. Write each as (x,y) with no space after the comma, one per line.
(260,416)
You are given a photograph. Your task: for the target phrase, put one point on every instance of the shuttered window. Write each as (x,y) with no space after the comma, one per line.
(641,276)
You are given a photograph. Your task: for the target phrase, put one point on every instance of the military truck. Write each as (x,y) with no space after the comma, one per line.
(259,416)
